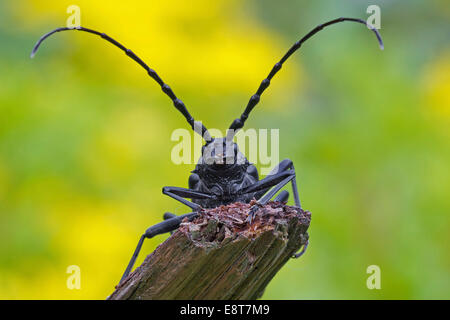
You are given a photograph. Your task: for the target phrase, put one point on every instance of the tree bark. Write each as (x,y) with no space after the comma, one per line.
(219,255)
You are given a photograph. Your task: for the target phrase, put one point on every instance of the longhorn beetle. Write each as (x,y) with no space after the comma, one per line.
(223,174)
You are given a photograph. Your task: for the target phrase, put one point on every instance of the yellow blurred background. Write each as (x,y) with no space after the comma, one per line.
(85,137)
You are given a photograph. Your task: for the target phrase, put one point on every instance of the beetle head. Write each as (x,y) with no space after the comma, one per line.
(221,153)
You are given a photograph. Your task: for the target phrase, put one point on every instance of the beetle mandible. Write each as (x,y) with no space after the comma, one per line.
(224,176)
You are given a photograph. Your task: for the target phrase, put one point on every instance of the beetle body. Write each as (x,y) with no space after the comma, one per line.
(224,176)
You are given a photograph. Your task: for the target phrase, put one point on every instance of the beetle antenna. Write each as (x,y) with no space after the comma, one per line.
(239,122)
(152,73)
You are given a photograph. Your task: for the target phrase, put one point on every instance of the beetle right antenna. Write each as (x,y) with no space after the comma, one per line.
(152,73)
(239,122)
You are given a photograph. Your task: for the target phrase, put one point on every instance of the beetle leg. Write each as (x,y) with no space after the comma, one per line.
(283,173)
(169,215)
(179,194)
(266,198)
(299,254)
(284,165)
(283,196)
(166,226)
(268,182)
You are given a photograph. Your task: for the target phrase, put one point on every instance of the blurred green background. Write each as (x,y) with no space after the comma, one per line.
(85,137)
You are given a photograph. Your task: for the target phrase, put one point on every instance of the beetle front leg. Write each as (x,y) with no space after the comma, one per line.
(285,169)
(284,165)
(282,174)
(179,194)
(269,195)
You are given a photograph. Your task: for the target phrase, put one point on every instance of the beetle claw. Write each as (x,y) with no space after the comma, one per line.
(251,214)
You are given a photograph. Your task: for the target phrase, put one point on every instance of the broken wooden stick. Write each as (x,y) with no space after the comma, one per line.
(219,255)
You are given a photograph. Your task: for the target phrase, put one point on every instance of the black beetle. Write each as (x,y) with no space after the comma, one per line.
(223,174)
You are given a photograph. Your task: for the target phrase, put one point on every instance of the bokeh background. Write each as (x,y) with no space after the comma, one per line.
(85,137)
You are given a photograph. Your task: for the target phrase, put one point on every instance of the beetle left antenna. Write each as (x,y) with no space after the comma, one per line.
(239,122)
(152,73)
